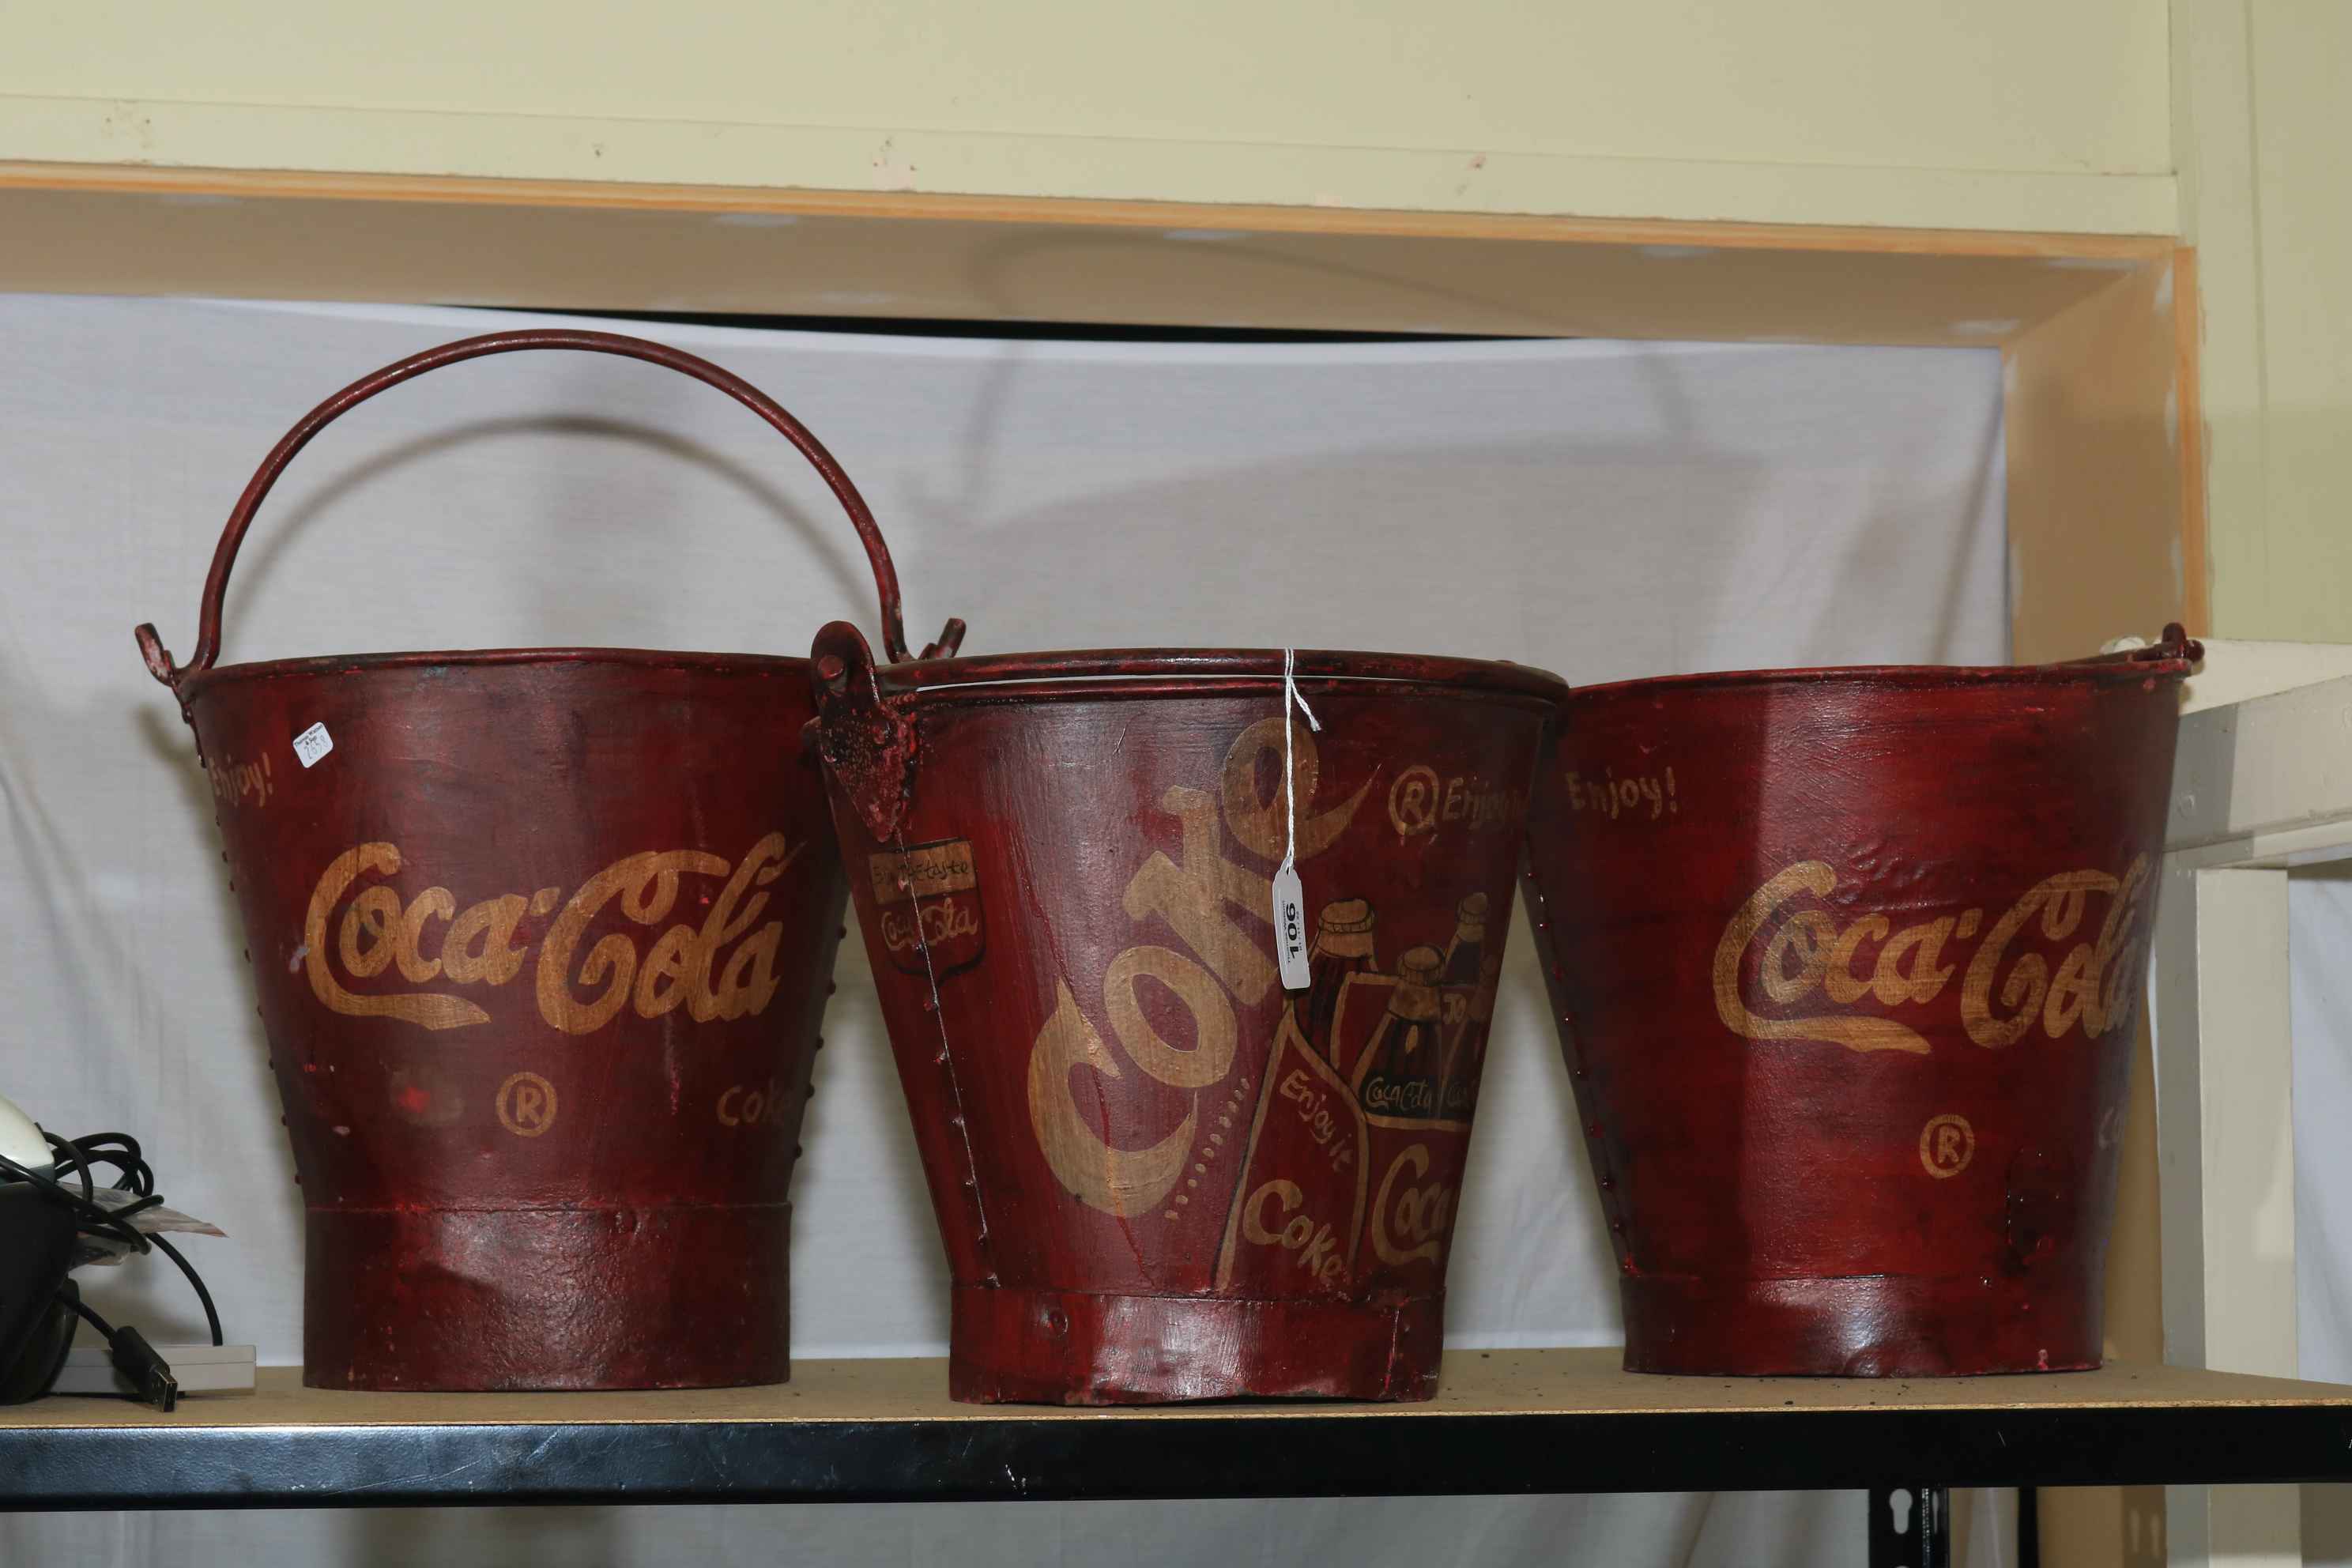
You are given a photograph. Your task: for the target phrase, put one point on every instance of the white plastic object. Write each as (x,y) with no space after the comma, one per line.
(198,1369)
(21,1141)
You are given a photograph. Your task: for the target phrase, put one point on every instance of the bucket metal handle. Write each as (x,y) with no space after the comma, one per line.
(878,554)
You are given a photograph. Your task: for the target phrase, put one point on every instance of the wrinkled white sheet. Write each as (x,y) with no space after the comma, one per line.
(2319,953)
(1603,509)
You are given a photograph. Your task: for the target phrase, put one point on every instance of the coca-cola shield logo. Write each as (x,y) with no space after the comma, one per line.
(927,899)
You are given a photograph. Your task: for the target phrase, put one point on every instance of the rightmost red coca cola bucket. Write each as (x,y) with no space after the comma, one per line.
(1846,966)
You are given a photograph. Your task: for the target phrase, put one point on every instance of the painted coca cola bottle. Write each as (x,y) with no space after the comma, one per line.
(1467,1002)
(1465,1050)
(1399,1077)
(1343,946)
(1465,952)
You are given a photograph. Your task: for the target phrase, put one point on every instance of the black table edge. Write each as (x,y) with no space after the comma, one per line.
(981,1459)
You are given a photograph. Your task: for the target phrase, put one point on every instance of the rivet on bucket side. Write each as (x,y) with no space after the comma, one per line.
(1603,1176)
(871,749)
(947,1069)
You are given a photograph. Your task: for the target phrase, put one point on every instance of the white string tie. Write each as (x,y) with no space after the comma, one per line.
(1289,898)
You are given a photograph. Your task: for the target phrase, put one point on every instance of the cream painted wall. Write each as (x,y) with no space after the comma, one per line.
(2266,194)
(2002,114)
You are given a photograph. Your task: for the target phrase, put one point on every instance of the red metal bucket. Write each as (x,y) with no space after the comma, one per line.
(542,940)
(1159,1175)
(1845,965)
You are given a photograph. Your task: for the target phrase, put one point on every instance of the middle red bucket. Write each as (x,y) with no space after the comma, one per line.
(1159,1175)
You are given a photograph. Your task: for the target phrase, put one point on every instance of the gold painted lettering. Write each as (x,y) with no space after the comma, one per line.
(1806,937)
(431,1012)
(661,983)
(376,915)
(2006,992)
(647,885)
(2059,901)
(1257,818)
(1838,977)
(1195,896)
(1924,981)
(480,943)
(1191,898)
(1317,1246)
(2114,967)
(1414,1212)
(1287,1193)
(408,948)
(2074,985)
(1121,1182)
(1211,1055)
(749,981)
(1862,1034)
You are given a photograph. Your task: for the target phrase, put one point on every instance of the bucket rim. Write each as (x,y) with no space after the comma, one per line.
(313,664)
(1175,671)
(1948,677)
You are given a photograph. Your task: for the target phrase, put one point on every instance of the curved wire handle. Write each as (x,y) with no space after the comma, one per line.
(878,554)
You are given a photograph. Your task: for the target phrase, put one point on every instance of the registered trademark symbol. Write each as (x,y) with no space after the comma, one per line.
(526,1105)
(1412,801)
(1947,1145)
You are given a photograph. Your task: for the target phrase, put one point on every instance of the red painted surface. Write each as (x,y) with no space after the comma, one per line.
(1159,1175)
(542,947)
(1846,965)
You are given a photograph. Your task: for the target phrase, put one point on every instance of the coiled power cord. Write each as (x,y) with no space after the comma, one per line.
(69,1181)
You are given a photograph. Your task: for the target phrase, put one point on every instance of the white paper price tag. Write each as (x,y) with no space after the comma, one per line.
(1289,898)
(1290,927)
(314,743)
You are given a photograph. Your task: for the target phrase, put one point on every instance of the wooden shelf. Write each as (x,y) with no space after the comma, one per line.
(1506,1421)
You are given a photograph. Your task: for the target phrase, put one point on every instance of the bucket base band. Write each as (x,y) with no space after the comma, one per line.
(1862,1326)
(546,1298)
(1070,1347)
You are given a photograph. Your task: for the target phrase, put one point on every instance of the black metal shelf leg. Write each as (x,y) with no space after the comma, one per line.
(1910,1527)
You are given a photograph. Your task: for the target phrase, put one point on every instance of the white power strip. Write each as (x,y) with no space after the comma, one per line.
(199,1369)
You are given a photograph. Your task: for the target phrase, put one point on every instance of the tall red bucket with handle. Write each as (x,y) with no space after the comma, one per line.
(1845,965)
(1164,1168)
(541,940)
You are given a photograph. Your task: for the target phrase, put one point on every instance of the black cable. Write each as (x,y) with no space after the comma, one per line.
(88,1313)
(77,1157)
(116,1149)
(93,1216)
(212,1314)
(66,1159)
(149,1374)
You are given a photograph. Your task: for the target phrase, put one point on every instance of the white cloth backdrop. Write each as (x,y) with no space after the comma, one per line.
(1605,510)
(2319,952)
